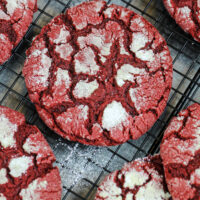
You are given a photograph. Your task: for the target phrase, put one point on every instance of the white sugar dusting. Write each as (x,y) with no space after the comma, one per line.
(64,50)
(152,190)
(126,73)
(3,177)
(108,12)
(132,93)
(135,178)
(75,159)
(62,77)
(139,41)
(30,147)
(145,55)
(32,192)
(3,15)
(84,113)
(84,89)
(7,131)
(2,36)
(18,166)
(195,177)
(114,114)
(110,190)
(98,39)
(185,11)
(129,196)
(41,73)
(12,5)
(85,65)
(2,197)
(63,35)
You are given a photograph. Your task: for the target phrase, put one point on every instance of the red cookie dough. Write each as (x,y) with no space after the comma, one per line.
(99,74)
(26,161)
(186,14)
(15,18)
(142,179)
(180,151)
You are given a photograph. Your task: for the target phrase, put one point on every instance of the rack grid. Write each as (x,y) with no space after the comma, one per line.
(83,167)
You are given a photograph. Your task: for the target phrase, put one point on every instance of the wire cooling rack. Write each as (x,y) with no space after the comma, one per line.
(83,167)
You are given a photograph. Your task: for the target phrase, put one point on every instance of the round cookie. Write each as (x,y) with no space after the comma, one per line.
(141,179)
(99,74)
(15,18)
(186,14)
(180,151)
(26,161)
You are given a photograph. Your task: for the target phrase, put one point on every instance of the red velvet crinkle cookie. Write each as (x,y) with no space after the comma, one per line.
(26,161)
(15,18)
(180,151)
(142,179)
(99,74)
(186,14)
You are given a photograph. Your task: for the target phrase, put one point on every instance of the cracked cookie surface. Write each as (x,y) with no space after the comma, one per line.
(15,18)
(141,179)
(99,74)
(26,161)
(186,14)
(180,151)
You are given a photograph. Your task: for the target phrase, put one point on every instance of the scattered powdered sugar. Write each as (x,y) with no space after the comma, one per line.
(114,114)
(62,77)
(110,190)
(12,5)
(152,190)
(129,196)
(3,37)
(135,178)
(145,55)
(78,161)
(183,16)
(19,166)
(108,12)
(126,73)
(3,15)
(139,41)
(195,177)
(62,36)
(85,65)
(30,147)
(64,50)
(7,130)
(97,38)
(41,72)
(84,89)
(32,192)
(3,178)
(2,197)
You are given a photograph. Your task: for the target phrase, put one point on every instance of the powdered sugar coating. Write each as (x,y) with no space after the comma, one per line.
(3,177)
(18,166)
(26,162)
(2,197)
(84,89)
(46,187)
(7,130)
(109,56)
(113,115)
(16,16)
(140,180)
(186,14)
(180,151)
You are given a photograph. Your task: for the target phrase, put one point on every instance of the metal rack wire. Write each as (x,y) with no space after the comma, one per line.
(83,167)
